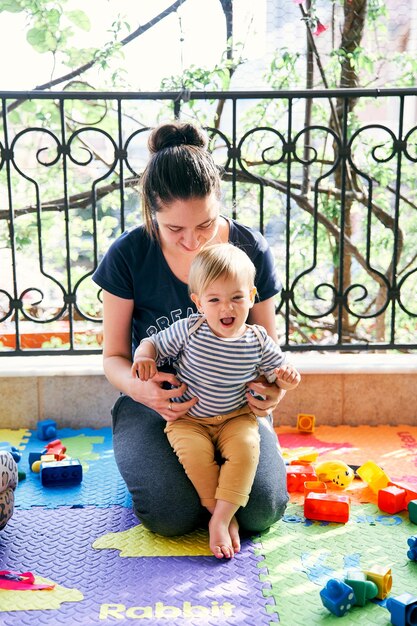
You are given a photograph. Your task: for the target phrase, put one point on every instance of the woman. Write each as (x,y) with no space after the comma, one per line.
(144,279)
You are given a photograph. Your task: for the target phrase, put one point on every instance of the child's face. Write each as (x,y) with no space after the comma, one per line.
(226,303)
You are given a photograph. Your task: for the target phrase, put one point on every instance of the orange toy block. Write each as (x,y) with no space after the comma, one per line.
(306,423)
(326,507)
(314,486)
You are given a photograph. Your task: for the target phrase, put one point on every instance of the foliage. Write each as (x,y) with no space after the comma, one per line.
(91,216)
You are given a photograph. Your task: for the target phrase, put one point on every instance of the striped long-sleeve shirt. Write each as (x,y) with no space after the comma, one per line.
(215,369)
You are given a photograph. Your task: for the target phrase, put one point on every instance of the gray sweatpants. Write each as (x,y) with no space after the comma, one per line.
(164,499)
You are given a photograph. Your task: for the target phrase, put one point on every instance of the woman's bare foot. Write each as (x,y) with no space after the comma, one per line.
(234,534)
(220,539)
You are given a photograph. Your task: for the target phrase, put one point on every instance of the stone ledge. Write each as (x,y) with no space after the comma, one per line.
(310,363)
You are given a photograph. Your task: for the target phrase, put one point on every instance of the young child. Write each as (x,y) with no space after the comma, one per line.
(217,353)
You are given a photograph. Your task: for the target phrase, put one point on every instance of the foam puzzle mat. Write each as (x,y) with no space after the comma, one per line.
(107,569)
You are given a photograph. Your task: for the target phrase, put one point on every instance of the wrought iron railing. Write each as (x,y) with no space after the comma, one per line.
(328,176)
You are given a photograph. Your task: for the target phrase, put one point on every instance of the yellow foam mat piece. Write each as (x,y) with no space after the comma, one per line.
(41,599)
(138,541)
(15,437)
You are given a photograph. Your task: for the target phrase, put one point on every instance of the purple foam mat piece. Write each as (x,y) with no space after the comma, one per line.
(101,486)
(57,544)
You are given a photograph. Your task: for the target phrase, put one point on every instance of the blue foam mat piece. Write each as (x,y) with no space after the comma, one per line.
(102,484)
(57,544)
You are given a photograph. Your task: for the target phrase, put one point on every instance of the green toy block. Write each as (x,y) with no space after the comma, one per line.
(412,511)
(364,589)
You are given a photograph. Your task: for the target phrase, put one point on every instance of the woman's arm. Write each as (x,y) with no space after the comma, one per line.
(117,362)
(263,313)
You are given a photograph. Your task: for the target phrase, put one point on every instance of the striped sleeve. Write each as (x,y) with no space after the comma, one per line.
(272,357)
(168,343)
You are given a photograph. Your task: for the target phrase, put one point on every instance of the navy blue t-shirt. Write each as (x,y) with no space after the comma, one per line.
(135,268)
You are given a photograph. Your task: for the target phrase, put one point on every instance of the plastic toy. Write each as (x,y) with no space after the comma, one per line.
(20,582)
(372,474)
(337,597)
(16,454)
(61,473)
(403,609)
(412,511)
(297,475)
(326,507)
(412,552)
(410,493)
(34,456)
(382,577)
(336,472)
(391,499)
(364,589)
(314,486)
(306,423)
(46,429)
(300,454)
(56,449)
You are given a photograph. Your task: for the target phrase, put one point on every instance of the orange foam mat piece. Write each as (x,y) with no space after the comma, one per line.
(394,448)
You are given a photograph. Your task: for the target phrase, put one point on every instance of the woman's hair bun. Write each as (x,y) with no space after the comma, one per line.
(173,134)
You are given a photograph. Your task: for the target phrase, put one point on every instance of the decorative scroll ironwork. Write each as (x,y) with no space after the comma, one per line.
(336,201)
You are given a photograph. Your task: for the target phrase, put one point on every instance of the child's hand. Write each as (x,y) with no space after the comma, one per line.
(287,377)
(144,367)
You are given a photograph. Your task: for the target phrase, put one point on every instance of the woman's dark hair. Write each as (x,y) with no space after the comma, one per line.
(180,167)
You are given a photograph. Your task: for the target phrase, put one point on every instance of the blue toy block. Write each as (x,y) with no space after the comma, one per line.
(16,454)
(34,456)
(412,552)
(403,610)
(412,511)
(46,430)
(337,597)
(66,473)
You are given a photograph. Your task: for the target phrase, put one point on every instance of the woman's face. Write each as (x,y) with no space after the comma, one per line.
(186,226)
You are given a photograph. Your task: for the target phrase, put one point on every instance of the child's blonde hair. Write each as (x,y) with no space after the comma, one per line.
(222,260)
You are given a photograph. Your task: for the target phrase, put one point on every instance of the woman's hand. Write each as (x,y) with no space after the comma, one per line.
(152,395)
(272,394)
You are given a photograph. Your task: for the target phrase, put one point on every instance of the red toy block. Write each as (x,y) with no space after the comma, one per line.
(297,475)
(391,499)
(327,507)
(410,494)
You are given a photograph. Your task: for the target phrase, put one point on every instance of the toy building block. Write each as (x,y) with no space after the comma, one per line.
(364,589)
(306,423)
(314,486)
(16,454)
(56,449)
(412,552)
(326,507)
(337,597)
(391,499)
(34,456)
(335,472)
(61,473)
(382,577)
(412,511)
(46,429)
(374,475)
(410,493)
(297,475)
(403,609)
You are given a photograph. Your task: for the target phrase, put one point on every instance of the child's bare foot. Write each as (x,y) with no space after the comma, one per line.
(220,539)
(234,534)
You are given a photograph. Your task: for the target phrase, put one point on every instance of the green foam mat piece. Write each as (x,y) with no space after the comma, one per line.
(300,556)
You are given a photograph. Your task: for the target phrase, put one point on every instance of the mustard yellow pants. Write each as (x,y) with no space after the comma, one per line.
(235,436)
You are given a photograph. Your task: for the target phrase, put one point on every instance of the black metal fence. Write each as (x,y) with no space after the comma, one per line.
(327,176)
